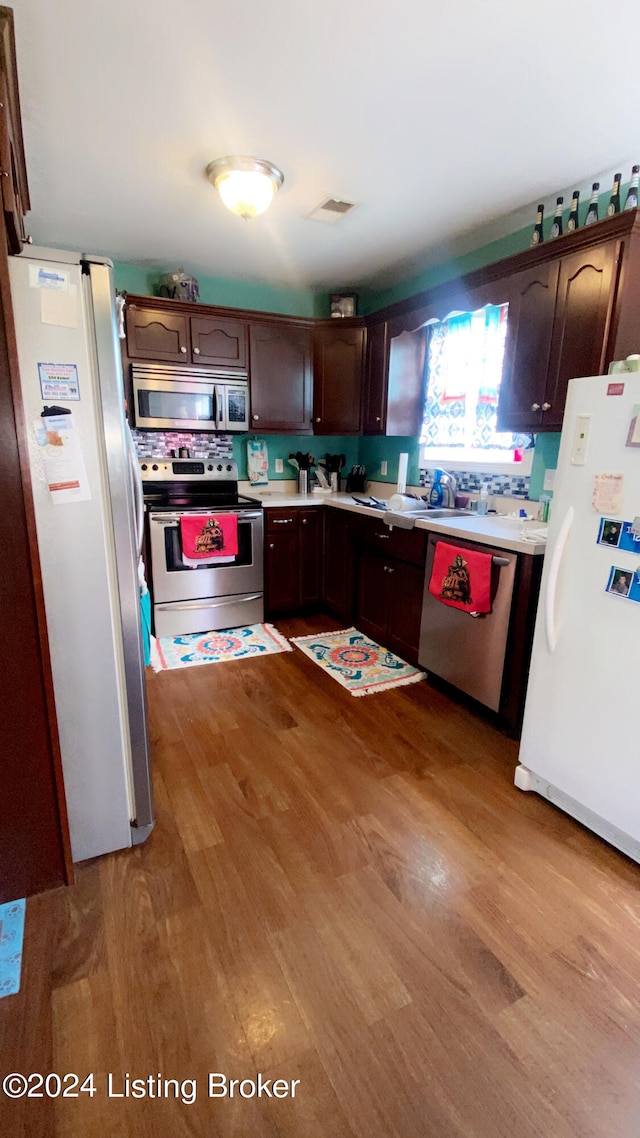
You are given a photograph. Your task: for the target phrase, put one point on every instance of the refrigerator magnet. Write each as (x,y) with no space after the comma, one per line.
(59,382)
(622,535)
(609,532)
(633,437)
(619,581)
(624,583)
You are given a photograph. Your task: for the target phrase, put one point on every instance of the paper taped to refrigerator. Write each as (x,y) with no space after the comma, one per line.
(607,493)
(61,457)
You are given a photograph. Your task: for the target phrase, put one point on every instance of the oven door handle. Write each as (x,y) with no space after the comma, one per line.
(171,519)
(182,606)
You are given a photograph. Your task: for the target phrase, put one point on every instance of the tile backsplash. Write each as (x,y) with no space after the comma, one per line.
(472,481)
(159,444)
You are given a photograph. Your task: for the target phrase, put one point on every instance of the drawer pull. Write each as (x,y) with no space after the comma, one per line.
(282,521)
(546,406)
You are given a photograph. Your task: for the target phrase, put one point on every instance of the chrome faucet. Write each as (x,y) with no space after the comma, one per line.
(448,484)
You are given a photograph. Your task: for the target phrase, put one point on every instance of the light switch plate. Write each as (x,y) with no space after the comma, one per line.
(279,466)
(383,467)
(549,478)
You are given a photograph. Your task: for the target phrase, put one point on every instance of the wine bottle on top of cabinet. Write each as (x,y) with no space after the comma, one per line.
(614,200)
(632,192)
(573,221)
(556,228)
(537,237)
(592,212)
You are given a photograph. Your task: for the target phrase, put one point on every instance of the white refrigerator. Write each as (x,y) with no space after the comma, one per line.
(88,511)
(579,746)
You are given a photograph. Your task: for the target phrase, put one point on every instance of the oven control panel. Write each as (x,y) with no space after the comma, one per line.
(188,470)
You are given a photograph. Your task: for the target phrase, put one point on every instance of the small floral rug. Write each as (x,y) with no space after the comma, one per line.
(215,647)
(11,934)
(360,665)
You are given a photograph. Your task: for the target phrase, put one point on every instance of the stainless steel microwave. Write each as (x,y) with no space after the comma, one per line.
(195,399)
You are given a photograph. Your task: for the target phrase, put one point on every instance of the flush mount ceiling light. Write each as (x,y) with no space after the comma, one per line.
(246,185)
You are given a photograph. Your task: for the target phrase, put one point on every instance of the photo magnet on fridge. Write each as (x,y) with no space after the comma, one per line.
(622,535)
(609,532)
(624,583)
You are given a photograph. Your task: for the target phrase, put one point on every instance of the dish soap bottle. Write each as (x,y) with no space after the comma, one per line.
(483,501)
(436,496)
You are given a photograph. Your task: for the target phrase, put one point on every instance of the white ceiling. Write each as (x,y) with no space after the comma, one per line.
(440,119)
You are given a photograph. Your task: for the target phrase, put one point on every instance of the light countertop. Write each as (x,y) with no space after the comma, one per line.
(492,529)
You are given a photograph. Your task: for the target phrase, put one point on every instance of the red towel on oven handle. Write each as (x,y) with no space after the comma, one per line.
(461,578)
(207,536)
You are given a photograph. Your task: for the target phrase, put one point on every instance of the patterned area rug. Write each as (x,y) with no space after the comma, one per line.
(215,647)
(360,665)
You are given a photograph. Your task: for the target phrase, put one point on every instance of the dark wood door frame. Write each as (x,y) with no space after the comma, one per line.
(35,852)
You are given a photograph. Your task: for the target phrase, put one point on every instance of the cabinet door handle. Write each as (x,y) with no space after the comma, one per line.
(196,351)
(390,570)
(546,406)
(272,545)
(182,348)
(318,420)
(383,536)
(304,521)
(256,417)
(535,406)
(377,418)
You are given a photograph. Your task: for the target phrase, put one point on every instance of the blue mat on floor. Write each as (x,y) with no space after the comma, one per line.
(11,934)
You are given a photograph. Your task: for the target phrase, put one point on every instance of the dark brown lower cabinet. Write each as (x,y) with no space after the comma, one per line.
(338,564)
(390,580)
(390,602)
(293,559)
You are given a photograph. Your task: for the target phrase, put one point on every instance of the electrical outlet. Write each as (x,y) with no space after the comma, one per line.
(279,466)
(383,467)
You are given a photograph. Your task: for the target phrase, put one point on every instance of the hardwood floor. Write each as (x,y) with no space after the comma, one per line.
(345,892)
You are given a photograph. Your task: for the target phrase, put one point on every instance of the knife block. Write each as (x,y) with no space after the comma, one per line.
(356,482)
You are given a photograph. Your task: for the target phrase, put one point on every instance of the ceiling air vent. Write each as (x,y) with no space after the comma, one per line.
(329,210)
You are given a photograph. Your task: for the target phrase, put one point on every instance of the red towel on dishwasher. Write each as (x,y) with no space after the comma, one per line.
(461,577)
(208,536)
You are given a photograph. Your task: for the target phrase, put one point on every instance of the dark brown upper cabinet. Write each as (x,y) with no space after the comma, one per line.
(158,334)
(281,378)
(374,417)
(532,305)
(558,328)
(338,373)
(219,343)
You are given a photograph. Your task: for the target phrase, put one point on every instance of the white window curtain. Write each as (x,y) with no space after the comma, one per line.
(464,368)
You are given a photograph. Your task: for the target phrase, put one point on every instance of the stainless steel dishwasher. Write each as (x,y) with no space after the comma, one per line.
(467,650)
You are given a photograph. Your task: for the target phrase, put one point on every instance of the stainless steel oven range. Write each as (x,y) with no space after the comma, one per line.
(189,599)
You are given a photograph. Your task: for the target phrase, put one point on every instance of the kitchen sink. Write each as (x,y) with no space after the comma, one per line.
(437,512)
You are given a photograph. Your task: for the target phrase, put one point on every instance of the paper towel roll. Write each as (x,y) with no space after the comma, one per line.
(403,462)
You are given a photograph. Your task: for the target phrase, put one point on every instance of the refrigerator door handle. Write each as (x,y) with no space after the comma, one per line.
(550,628)
(137,489)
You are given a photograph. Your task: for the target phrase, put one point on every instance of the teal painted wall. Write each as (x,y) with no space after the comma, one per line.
(374,449)
(232,294)
(370,300)
(280,446)
(545,457)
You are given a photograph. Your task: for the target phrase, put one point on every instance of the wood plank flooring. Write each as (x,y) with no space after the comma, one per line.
(345,892)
